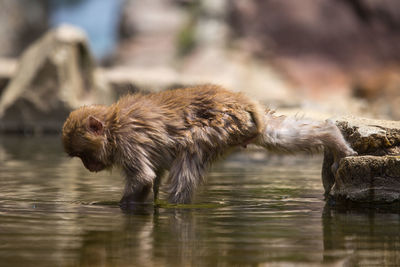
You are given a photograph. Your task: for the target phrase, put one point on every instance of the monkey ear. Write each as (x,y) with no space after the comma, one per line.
(95,125)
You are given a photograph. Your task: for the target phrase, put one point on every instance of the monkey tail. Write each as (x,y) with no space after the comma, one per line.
(294,134)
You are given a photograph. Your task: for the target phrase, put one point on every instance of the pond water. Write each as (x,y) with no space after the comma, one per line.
(255,209)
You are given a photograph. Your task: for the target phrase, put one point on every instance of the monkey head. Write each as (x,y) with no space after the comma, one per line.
(84,136)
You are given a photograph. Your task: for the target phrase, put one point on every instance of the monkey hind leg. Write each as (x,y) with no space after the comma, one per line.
(291,135)
(185,175)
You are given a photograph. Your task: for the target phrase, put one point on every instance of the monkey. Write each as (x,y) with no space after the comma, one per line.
(183,131)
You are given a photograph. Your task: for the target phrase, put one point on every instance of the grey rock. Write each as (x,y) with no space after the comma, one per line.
(7,70)
(372,176)
(55,75)
(124,80)
(371,137)
(21,22)
(368,179)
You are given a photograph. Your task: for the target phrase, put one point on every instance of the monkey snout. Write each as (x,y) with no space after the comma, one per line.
(93,166)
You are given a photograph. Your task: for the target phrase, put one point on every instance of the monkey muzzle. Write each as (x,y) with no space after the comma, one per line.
(93,166)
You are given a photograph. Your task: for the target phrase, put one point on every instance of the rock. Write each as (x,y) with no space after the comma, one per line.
(7,70)
(123,80)
(149,32)
(380,90)
(368,179)
(55,75)
(314,52)
(372,176)
(21,22)
(371,137)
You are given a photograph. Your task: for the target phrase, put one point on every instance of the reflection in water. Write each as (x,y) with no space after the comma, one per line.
(362,236)
(254,210)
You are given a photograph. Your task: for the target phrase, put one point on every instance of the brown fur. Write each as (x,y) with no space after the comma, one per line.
(182,131)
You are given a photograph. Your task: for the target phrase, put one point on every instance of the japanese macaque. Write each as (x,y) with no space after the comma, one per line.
(183,131)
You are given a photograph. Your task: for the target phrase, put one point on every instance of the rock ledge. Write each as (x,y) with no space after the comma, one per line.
(374,175)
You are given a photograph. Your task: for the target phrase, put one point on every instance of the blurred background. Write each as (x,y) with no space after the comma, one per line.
(318,58)
(322,57)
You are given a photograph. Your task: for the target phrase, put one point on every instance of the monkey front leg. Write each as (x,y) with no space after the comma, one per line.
(135,192)
(138,185)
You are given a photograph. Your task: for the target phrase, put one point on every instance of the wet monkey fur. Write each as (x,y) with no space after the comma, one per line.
(183,131)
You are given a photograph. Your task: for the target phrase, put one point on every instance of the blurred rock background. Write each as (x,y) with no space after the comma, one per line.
(322,57)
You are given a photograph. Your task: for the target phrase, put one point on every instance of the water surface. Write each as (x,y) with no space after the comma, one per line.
(255,209)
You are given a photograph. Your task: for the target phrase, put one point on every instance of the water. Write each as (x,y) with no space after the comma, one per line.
(254,210)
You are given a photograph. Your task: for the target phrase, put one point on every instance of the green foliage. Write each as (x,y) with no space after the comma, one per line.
(187,37)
